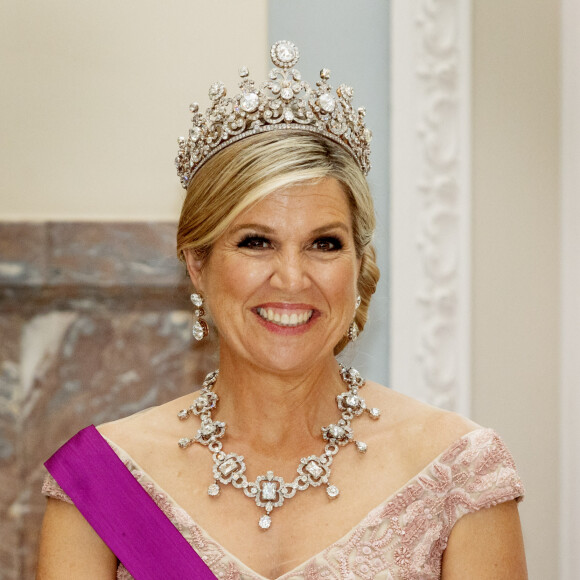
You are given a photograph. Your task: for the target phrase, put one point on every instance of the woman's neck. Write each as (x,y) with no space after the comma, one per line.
(276,410)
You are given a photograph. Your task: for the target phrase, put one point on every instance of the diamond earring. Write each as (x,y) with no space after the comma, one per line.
(353,329)
(200,329)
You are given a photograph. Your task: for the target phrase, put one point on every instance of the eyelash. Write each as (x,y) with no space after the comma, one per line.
(253,242)
(256,242)
(334,243)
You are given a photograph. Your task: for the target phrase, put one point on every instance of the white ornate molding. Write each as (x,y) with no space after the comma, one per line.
(430,201)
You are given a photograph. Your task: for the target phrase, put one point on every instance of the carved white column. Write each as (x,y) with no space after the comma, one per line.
(430,193)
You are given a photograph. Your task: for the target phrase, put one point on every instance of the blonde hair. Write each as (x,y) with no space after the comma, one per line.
(249,170)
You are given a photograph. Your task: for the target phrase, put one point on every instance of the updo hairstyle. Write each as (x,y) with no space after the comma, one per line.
(247,171)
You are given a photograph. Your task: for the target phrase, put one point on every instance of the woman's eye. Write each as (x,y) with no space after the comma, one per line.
(254,243)
(327,244)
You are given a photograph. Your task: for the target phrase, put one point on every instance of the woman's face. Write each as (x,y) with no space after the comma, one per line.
(281,282)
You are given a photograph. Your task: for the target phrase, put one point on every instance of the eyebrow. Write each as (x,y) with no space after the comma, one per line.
(269,230)
(331,226)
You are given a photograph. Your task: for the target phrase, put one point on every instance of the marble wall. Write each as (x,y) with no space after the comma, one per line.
(95,323)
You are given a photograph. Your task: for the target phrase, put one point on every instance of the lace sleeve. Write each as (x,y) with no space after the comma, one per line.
(51,489)
(477,472)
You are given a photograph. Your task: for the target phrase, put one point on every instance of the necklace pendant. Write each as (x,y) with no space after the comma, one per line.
(265,522)
(361,446)
(332,491)
(185,442)
(213,490)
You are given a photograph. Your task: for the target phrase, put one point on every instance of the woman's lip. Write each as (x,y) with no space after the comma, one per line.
(285,306)
(283,329)
(296,315)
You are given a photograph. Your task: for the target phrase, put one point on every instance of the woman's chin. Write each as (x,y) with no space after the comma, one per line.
(293,358)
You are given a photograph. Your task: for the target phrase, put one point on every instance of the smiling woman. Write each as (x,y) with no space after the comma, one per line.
(276,232)
(290,256)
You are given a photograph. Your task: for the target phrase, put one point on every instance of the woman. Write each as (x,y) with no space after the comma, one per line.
(276,233)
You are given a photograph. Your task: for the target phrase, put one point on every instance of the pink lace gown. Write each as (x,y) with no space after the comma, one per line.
(402,538)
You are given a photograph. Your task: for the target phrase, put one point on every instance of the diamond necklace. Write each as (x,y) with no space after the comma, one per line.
(269,491)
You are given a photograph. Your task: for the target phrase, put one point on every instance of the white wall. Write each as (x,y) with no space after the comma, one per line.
(570,315)
(516,251)
(95,94)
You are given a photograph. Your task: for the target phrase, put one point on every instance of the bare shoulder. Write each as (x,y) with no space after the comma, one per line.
(150,427)
(420,431)
(486,544)
(70,548)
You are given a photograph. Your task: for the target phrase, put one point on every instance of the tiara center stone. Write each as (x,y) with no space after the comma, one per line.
(284,54)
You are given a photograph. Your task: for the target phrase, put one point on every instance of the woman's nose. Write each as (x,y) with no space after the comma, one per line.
(290,273)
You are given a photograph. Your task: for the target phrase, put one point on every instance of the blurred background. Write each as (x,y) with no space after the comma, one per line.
(475,109)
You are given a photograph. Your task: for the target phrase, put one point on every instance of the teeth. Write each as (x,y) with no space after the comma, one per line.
(284,319)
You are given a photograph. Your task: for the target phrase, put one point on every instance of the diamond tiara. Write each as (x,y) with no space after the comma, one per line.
(284,101)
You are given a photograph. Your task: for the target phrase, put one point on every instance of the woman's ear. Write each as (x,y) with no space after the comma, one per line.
(194,268)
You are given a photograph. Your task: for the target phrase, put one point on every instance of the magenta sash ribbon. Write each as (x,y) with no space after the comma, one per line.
(122,512)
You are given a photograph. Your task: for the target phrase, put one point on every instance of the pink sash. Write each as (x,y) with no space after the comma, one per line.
(122,512)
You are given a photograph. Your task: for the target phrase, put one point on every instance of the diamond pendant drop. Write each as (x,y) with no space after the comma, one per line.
(197,331)
(265,522)
(213,490)
(332,491)
(184,442)
(361,446)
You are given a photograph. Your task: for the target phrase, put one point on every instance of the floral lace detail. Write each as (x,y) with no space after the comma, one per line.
(51,489)
(403,538)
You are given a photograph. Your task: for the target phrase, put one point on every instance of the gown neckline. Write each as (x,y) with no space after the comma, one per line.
(232,557)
